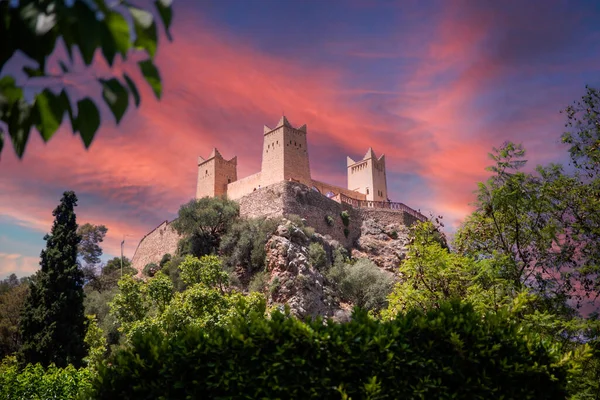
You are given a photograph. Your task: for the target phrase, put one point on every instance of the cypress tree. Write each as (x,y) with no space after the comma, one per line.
(53,321)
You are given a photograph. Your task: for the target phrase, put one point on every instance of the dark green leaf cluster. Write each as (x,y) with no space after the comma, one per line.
(361,283)
(89,249)
(203,222)
(244,243)
(448,353)
(36,27)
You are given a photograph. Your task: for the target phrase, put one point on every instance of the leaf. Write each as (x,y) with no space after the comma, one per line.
(88,120)
(145,30)
(9,91)
(119,30)
(152,76)
(89,31)
(116,96)
(166,14)
(19,125)
(132,89)
(50,110)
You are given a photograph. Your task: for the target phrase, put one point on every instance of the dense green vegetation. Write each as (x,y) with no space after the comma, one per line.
(503,309)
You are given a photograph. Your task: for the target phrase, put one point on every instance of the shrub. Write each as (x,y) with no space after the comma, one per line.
(150,269)
(259,282)
(346,232)
(36,382)
(317,256)
(165,259)
(362,283)
(452,352)
(244,243)
(329,220)
(345,218)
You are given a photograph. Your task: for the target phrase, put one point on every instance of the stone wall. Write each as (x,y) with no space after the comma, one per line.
(244,186)
(287,198)
(160,241)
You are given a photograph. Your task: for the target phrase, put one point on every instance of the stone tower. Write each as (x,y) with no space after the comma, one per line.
(214,174)
(285,154)
(368,176)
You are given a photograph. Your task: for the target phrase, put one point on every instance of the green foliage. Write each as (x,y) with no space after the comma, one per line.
(329,220)
(244,243)
(142,307)
(450,352)
(361,283)
(536,223)
(583,135)
(37,382)
(203,222)
(92,27)
(259,282)
(150,269)
(345,218)
(53,322)
(165,259)
(346,232)
(317,257)
(160,291)
(96,343)
(206,270)
(432,275)
(13,293)
(91,235)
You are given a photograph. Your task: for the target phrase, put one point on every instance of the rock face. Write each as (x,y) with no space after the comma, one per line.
(305,289)
(384,244)
(293,281)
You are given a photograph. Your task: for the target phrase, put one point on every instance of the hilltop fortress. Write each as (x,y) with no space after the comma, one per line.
(284,186)
(285,158)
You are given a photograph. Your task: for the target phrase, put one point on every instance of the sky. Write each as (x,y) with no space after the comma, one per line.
(433,85)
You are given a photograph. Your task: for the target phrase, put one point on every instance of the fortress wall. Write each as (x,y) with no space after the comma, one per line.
(162,240)
(287,198)
(325,187)
(386,217)
(244,186)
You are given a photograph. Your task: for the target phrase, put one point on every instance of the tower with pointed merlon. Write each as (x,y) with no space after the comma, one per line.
(368,176)
(214,174)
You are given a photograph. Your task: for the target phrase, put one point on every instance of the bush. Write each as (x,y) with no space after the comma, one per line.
(259,282)
(244,243)
(317,256)
(150,269)
(329,220)
(452,352)
(362,283)
(345,218)
(165,259)
(36,382)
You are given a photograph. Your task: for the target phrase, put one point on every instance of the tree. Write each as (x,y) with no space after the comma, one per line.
(91,235)
(36,28)
(361,283)
(53,324)
(12,300)
(203,222)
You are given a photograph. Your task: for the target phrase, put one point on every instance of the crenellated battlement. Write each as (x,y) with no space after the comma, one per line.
(285,158)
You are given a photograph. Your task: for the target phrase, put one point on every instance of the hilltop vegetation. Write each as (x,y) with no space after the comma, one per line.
(502,310)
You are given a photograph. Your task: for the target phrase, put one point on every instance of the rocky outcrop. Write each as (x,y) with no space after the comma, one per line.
(384,244)
(293,281)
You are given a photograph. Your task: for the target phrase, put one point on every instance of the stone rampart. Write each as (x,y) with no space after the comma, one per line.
(160,241)
(244,186)
(281,199)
